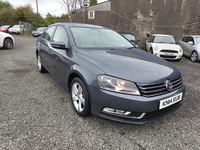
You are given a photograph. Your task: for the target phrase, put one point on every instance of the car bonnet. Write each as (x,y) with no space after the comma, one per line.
(133,65)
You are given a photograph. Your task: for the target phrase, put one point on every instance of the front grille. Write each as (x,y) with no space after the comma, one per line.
(155,89)
(166,56)
(168,51)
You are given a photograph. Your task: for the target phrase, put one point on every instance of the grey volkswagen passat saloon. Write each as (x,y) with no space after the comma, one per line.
(107,76)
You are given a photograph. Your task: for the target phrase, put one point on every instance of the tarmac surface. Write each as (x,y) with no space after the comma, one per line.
(36,112)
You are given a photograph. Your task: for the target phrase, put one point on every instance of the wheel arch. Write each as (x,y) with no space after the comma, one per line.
(8,38)
(78,75)
(73,75)
(192,52)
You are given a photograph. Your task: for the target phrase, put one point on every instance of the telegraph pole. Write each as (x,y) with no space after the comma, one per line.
(37,6)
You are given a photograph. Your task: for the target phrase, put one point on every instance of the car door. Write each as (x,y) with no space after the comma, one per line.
(189,46)
(60,58)
(183,43)
(45,46)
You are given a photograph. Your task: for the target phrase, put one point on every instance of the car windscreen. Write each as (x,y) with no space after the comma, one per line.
(16,26)
(40,29)
(129,37)
(197,40)
(98,38)
(164,39)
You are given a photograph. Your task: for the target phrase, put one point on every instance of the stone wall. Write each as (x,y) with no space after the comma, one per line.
(142,17)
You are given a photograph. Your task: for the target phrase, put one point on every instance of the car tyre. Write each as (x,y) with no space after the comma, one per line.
(39,65)
(80,97)
(8,43)
(145,48)
(194,56)
(151,50)
(179,59)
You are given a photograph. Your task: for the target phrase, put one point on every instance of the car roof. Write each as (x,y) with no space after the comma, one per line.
(70,24)
(126,33)
(191,35)
(160,35)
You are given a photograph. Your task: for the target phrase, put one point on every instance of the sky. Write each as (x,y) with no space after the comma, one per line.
(54,7)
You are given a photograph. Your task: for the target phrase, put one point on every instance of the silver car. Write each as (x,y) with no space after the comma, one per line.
(191,47)
(16,29)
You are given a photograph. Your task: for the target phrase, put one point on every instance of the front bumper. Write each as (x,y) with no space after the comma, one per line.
(169,55)
(36,34)
(14,32)
(137,105)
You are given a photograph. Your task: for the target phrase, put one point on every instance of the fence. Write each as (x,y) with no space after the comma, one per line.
(25,28)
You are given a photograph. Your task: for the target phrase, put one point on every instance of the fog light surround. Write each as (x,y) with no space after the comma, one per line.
(116,111)
(122,113)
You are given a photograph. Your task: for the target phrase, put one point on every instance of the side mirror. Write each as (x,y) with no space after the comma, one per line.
(59,45)
(138,40)
(190,42)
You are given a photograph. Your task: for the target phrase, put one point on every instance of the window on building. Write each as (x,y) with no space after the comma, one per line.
(91,14)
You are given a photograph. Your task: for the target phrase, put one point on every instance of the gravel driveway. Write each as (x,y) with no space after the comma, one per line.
(36,112)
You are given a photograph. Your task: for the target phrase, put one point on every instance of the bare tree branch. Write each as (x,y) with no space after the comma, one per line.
(72,5)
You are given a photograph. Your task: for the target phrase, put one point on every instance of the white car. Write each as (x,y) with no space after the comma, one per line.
(164,46)
(16,29)
(6,40)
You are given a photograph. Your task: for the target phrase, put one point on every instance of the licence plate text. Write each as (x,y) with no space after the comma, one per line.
(170,101)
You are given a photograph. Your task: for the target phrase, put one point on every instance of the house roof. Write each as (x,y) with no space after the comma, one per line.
(98,7)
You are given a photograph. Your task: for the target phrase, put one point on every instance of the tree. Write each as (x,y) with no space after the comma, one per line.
(6,5)
(64,16)
(24,13)
(6,11)
(72,5)
(93,2)
(50,19)
(38,21)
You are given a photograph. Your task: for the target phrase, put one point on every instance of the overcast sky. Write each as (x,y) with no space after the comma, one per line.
(54,7)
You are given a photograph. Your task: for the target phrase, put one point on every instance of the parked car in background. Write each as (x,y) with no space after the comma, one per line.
(130,37)
(164,46)
(108,76)
(5,28)
(38,31)
(16,29)
(6,40)
(191,46)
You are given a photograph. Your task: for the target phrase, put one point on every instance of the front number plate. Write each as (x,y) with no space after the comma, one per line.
(168,54)
(170,101)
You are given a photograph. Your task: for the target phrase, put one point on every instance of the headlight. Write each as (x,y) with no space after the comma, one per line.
(117,85)
(180,50)
(156,48)
(41,32)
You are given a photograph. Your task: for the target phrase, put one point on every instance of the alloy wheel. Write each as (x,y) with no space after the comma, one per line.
(194,56)
(39,63)
(78,97)
(8,43)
